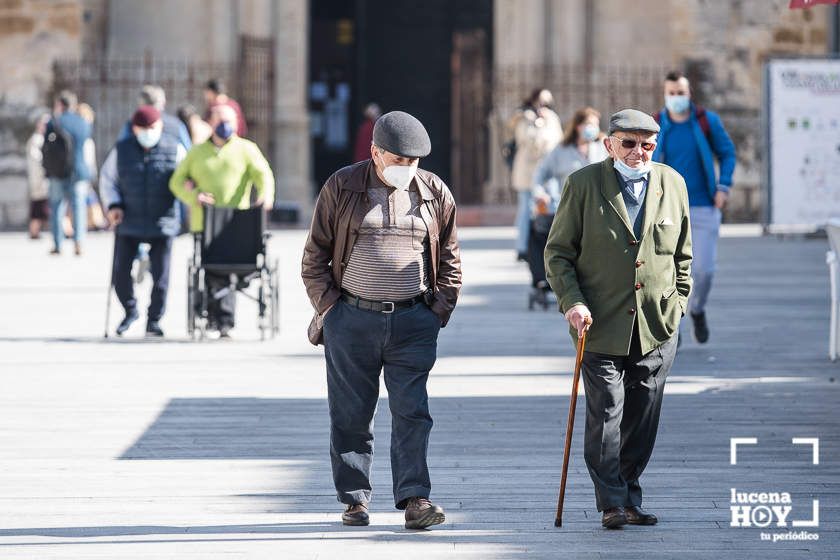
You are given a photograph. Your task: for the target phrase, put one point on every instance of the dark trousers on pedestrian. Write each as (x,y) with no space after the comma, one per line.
(125,251)
(360,344)
(221,312)
(623,401)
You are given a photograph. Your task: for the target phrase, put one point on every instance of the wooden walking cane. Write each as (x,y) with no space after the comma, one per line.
(570,423)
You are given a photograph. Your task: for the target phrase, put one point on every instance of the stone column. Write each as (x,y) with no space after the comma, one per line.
(292,153)
(32,36)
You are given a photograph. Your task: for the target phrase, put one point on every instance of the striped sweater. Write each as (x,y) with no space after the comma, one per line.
(390,258)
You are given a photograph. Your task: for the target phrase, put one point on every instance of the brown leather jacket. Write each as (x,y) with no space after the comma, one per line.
(339,212)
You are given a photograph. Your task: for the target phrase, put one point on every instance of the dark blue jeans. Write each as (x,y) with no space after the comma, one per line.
(125,251)
(358,346)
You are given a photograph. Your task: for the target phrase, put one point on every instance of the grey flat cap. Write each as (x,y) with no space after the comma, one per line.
(402,134)
(631,119)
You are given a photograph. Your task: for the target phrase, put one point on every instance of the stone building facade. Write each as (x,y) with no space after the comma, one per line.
(721,46)
(595,52)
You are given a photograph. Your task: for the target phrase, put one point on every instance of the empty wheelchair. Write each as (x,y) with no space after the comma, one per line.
(233,247)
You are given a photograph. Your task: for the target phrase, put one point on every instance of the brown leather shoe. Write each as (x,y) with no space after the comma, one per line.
(613,518)
(637,516)
(421,513)
(356,515)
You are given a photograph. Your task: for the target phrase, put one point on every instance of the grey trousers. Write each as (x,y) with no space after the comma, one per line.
(623,401)
(358,346)
(705,230)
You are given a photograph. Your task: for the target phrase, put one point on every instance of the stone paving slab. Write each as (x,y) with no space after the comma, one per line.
(128,448)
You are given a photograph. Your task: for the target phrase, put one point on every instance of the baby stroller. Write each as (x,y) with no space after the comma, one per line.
(540,225)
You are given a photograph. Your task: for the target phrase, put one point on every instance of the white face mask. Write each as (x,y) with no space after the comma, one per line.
(632,173)
(591,132)
(149,137)
(399,176)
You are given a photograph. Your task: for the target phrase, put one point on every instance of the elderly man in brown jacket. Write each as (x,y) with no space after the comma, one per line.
(382,268)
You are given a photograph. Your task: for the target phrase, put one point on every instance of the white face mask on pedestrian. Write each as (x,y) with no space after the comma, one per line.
(640,164)
(149,137)
(399,176)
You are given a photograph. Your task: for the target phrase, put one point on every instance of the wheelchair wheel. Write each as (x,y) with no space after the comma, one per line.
(275,299)
(191,299)
(200,307)
(262,291)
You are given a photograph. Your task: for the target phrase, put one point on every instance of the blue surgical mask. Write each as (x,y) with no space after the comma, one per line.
(591,132)
(149,137)
(224,130)
(677,103)
(631,173)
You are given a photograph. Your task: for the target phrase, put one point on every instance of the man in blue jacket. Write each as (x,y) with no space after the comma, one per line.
(135,188)
(690,140)
(75,183)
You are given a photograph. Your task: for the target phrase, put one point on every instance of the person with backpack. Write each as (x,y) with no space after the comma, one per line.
(135,188)
(64,165)
(690,141)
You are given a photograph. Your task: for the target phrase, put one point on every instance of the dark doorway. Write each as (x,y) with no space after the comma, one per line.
(332,67)
(402,58)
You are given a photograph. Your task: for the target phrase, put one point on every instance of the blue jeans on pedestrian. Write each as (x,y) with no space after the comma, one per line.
(60,191)
(705,230)
(358,345)
(523,221)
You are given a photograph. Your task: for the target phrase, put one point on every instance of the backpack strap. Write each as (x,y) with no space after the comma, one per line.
(703,121)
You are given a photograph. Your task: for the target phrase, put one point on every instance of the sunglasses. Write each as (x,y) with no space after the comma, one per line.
(629,144)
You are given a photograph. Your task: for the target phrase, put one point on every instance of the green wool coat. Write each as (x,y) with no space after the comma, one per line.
(592,257)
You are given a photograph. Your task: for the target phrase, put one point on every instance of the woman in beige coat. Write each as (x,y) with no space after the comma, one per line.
(537,130)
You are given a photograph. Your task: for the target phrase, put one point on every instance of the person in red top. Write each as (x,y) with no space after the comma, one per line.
(215,93)
(364,136)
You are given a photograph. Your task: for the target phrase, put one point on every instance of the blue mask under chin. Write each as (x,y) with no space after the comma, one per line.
(632,173)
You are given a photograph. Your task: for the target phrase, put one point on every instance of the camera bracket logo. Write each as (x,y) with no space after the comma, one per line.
(773,509)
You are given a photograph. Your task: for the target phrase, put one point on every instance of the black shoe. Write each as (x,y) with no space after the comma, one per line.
(224,332)
(521,257)
(356,515)
(701,329)
(130,317)
(637,516)
(614,518)
(420,513)
(153,329)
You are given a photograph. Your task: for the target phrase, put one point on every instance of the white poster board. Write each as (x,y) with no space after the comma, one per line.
(802,104)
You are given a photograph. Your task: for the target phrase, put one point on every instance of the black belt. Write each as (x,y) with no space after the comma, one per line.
(380,306)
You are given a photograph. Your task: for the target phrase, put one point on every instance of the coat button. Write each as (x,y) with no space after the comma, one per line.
(639,285)
(638,264)
(631,312)
(633,242)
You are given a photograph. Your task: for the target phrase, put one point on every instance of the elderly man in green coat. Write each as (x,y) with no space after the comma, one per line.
(619,254)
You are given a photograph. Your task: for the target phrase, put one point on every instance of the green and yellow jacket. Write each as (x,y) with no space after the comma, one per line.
(228,173)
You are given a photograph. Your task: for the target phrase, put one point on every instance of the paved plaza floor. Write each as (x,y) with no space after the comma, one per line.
(130,448)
